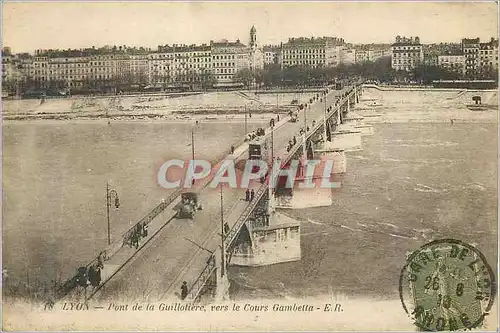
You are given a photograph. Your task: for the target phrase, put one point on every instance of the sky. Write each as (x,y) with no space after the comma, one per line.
(27,26)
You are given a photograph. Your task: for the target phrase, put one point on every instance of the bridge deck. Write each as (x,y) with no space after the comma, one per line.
(157,272)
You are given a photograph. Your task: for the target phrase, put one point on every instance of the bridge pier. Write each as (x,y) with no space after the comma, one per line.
(337,155)
(346,137)
(356,121)
(267,238)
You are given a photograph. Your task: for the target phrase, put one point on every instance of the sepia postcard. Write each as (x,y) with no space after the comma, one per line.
(249,166)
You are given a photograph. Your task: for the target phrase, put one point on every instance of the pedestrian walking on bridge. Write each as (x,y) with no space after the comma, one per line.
(184,290)
(252,195)
(232,150)
(247,195)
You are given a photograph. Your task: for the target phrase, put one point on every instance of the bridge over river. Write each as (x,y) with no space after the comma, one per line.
(197,251)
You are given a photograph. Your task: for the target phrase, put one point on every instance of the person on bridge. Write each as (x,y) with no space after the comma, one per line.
(247,195)
(184,290)
(252,195)
(100,260)
(294,140)
(232,150)
(278,117)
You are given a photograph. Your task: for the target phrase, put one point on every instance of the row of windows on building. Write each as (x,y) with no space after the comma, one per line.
(400,55)
(486,52)
(405,61)
(223,64)
(304,56)
(408,48)
(225,57)
(303,51)
(185,65)
(225,71)
(182,60)
(486,58)
(451,64)
(300,51)
(224,77)
(310,63)
(189,54)
(74,77)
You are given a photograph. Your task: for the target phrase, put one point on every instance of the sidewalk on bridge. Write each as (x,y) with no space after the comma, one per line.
(127,252)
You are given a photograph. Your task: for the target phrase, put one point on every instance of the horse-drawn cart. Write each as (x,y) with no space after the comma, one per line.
(190,203)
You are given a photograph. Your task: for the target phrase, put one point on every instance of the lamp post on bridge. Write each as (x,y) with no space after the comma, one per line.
(324,122)
(192,143)
(246,131)
(223,250)
(110,195)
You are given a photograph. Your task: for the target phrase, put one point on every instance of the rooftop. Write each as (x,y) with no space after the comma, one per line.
(470,40)
(183,48)
(105,50)
(314,40)
(226,43)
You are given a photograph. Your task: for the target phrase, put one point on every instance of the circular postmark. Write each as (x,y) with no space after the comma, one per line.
(447,285)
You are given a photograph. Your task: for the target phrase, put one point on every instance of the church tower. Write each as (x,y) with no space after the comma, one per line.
(253,38)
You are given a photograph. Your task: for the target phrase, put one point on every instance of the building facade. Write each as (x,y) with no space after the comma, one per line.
(348,56)
(227,59)
(452,62)
(371,52)
(312,52)
(470,49)
(488,55)
(272,54)
(407,53)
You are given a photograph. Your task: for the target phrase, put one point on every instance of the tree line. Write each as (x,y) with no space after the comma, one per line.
(379,70)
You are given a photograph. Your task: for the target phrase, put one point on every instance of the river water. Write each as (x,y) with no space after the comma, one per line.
(412,183)
(54,186)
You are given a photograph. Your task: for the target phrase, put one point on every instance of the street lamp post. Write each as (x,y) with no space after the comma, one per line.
(110,195)
(324,124)
(223,250)
(192,143)
(246,131)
